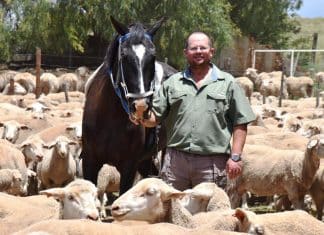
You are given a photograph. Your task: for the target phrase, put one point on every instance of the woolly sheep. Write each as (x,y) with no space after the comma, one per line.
(319,77)
(268,171)
(14,88)
(246,84)
(5,77)
(206,196)
(152,200)
(77,200)
(107,182)
(57,168)
(300,86)
(295,222)
(68,81)
(10,181)
(11,130)
(37,109)
(12,158)
(27,80)
(49,83)
(76,227)
(317,191)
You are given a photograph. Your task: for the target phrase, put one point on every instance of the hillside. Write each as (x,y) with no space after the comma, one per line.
(309,26)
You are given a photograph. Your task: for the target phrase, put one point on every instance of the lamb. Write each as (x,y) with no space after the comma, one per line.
(295,222)
(14,88)
(5,77)
(319,77)
(49,83)
(300,86)
(280,140)
(268,171)
(12,158)
(108,181)
(37,110)
(68,81)
(27,80)
(57,168)
(205,196)
(10,181)
(317,191)
(271,87)
(11,130)
(290,122)
(83,74)
(312,127)
(247,85)
(77,200)
(154,201)
(255,77)
(76,227)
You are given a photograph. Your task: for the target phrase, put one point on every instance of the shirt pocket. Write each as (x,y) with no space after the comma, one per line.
(216,103)
(177,97)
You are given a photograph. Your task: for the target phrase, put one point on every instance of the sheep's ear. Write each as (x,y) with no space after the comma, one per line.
(49,145)
(71,142)
(69,128)
(312,144)
(172,193)
(57,193)
(23,144)
(240,215)
(29,108)
(24,127)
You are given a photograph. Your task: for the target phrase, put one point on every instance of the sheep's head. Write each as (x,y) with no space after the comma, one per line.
(79,199)
(61,145)
(144,201)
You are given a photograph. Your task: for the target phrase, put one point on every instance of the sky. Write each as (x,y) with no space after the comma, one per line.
(312,9)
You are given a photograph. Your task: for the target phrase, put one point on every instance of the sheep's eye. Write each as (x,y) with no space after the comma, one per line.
(151,191)
(70,197)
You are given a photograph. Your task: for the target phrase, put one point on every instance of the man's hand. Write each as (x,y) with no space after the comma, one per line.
(233,169)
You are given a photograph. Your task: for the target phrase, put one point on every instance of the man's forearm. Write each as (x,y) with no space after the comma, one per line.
(239,137)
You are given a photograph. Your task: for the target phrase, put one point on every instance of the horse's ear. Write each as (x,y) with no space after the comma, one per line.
(119,27)
(156,26)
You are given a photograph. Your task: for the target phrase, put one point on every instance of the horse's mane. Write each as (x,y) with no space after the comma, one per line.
(111,52)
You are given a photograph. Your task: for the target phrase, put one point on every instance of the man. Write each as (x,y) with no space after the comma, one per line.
(203,108)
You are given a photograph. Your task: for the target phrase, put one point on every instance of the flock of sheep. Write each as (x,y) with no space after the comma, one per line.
(42,188)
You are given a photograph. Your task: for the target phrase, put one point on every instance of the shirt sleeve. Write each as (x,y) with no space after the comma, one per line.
(160,103)
(240,111)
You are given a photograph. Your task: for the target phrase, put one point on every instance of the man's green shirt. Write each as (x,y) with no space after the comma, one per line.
(201,120)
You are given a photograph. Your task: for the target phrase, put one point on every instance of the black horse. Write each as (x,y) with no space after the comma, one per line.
(124,83)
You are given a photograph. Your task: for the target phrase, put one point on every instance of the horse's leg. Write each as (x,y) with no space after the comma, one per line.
(147,168)
(127,176)
(90,168)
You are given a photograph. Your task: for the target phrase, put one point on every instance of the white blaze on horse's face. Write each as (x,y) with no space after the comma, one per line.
(140,52)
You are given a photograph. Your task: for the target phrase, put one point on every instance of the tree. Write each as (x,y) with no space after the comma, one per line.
(58,26)
(268,21)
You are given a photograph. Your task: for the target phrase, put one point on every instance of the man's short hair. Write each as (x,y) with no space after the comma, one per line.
(198,32)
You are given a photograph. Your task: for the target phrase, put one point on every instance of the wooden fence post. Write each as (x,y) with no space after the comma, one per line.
(38,67)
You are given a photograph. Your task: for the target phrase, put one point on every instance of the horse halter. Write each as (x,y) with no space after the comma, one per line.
(121,39)
(123,85)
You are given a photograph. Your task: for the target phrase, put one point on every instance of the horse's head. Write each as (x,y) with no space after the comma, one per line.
(134,68)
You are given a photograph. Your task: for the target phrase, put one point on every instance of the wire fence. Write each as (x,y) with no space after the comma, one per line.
(49,61)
